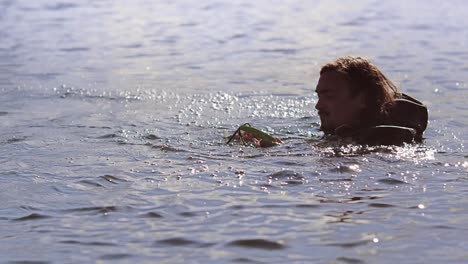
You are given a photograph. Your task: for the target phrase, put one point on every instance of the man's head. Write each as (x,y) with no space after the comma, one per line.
(352,91)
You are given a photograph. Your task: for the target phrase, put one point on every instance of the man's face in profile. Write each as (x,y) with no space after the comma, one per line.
(336,104)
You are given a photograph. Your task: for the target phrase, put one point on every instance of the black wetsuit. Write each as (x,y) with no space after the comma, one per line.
(405,122)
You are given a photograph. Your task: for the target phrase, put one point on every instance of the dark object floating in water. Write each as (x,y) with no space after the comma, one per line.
(247,133)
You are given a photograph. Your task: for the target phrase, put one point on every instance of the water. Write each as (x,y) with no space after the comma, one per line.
(113,117)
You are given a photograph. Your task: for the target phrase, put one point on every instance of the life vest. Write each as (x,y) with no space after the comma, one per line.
(405,122)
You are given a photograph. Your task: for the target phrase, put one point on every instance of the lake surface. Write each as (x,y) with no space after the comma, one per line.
(114,116)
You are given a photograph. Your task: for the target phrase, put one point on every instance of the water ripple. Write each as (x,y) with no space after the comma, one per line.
(350,244)
(381,205)
(33,216)
(113,179)
(349,260)
(391,181)
(14,140)
(89,243)
(246,260)
(61,6)
(91,183)
(98,210)
(75,49)
(116,256)
(29,262)
(151,215)
(258,244)
(177,241)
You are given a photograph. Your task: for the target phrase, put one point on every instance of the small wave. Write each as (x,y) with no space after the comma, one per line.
(188,214)
(33,216)
(90,183)
(281,51)
(66,92)
(246,260)
(75,49)
(14,140)
(112,179)
(61,6)
(348,260)
(152,137)
(290,174)
(288,205)
(350,244)
(103,181)
(139,55)
(336,180)
(151,215)
(98,209)
(346,200)
(381,205)
(115,256)
(111,135)
(132,46)
(91,243)
(353,168)
(307,205)
(292,182)
(288,177)
(258,244)
(29,262)
(167,148)
(178,241)
(443,227)
(391,181)
(103,127)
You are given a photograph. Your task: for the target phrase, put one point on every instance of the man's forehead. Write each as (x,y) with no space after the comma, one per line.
(331,81)
(325,86)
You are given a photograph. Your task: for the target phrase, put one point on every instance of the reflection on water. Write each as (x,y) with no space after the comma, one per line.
(114,117)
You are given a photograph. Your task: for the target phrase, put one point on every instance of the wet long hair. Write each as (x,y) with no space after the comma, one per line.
(365,77)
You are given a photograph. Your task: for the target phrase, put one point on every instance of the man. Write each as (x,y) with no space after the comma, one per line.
(356,100)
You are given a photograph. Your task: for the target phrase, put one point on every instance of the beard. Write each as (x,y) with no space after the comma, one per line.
(326,128)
